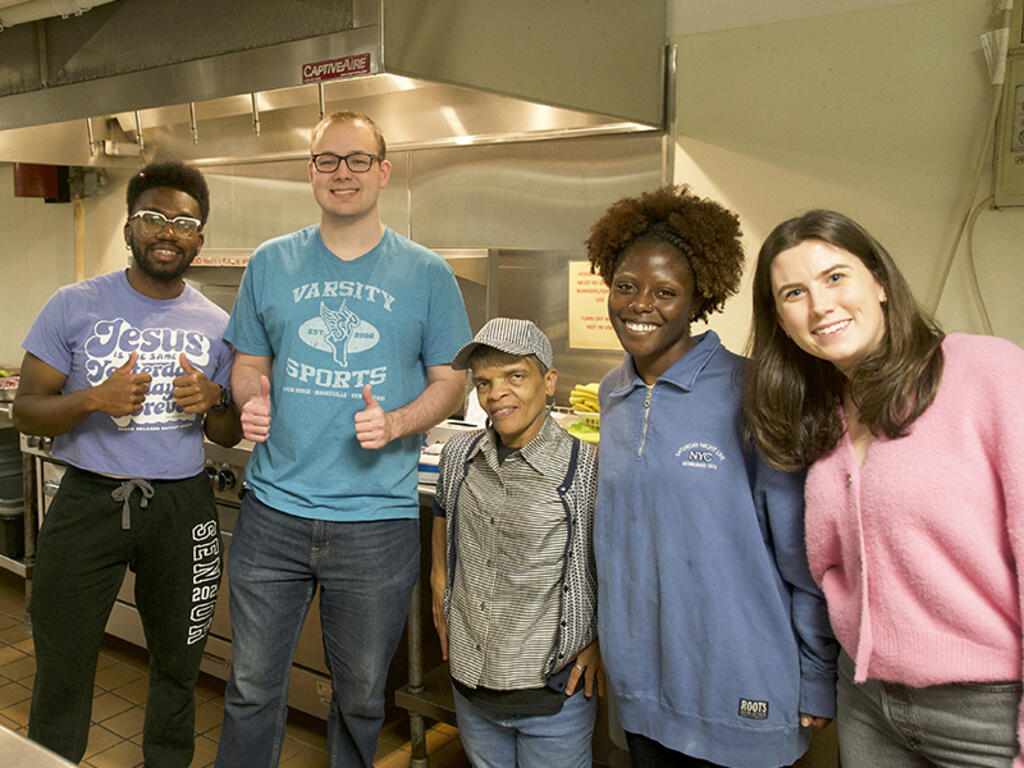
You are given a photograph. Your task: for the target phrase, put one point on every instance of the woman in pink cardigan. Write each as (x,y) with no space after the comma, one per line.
(915,494)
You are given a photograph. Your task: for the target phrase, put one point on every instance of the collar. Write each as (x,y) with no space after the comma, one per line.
(537,453)
(682,374)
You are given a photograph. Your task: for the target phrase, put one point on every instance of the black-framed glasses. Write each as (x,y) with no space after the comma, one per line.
(357,162)
(154,222)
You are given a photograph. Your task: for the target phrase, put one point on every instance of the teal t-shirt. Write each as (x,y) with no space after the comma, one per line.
(332,327)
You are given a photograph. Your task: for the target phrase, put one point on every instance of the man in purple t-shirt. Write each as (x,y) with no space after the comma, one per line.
(127,371)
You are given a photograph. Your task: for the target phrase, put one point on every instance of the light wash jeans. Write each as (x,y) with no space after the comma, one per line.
(365,572)
(896,726)
(543,741)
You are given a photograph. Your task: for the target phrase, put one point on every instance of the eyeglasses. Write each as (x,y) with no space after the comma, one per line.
(154,222)
(357,162)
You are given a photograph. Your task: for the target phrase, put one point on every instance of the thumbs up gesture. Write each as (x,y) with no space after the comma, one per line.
(373,427)
(194,392)
(123,392)
(256,414)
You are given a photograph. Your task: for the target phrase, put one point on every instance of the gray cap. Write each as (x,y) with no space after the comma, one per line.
(517,337)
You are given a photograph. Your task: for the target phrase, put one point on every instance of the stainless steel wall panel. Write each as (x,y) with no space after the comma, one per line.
(602,56)
(527,195)
(535,285)
(142,34)
(19,64)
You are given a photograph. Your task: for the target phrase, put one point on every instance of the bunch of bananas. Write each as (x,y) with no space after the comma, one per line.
(583,398)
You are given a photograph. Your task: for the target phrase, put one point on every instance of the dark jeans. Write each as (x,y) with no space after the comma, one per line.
(647,753)
(365,572)
(173,546)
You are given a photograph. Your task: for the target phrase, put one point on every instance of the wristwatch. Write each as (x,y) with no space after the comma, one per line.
(224,402)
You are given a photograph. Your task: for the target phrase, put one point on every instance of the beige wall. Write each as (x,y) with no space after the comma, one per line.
(37,254)
(876,113)
(34,259)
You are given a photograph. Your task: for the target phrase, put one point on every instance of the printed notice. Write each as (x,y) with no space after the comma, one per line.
(589,327)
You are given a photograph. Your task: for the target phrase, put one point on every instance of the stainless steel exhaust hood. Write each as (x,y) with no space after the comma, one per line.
(235,80)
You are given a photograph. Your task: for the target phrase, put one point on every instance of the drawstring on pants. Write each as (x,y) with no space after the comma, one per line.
(123,493)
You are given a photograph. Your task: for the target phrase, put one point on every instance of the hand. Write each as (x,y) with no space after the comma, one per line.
(123,392)
(256,414)
(373,427)
(194,392)
(437,586)
(588,666)
(808,721)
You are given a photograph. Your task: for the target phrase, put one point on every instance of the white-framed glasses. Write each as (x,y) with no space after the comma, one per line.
(154,222)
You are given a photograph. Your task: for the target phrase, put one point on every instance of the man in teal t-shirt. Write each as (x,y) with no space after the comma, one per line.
(344,332)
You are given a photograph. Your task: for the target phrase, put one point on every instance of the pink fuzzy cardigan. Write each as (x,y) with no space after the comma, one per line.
(920,552)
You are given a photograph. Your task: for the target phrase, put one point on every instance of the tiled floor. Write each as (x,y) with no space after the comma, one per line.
(121,682)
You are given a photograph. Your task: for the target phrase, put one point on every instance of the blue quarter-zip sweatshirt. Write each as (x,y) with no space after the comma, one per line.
(713,634)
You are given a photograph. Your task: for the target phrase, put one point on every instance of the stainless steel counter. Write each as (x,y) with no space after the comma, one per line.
(20,752)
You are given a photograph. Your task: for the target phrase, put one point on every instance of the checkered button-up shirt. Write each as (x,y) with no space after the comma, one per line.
(521,593)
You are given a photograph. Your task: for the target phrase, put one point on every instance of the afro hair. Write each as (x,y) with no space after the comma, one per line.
(707,235)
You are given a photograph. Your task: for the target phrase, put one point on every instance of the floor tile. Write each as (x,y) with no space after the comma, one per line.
(205,754)
(123,755)
(25,645)
(13,633)
(209,688)
(127,724)
(9,653)
(100,740)
(307,758)
(309,730)
(120,694)
(18,712)
(135,691)
(12,693)
(116,676)
(208,716)
(107,704)
(19,669)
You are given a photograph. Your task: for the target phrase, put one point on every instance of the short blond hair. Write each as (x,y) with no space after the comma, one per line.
(350,116)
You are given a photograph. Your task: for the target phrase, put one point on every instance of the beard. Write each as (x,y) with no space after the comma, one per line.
(165,272)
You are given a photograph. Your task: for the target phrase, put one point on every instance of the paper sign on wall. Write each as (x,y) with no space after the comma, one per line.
(589,327)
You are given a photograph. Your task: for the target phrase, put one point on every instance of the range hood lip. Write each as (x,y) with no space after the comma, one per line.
(546,100)
(186,81)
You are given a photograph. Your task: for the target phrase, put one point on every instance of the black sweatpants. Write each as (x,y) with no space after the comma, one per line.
(173,546)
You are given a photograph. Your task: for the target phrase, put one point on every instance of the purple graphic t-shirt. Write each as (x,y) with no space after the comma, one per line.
(87,330)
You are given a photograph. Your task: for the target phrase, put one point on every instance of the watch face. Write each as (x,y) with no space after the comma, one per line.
(225,399)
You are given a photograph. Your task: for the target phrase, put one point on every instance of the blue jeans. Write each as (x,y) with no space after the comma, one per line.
(366,572)
(955,724)
(545,741)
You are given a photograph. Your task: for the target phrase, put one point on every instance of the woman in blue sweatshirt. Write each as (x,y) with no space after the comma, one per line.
(716,640)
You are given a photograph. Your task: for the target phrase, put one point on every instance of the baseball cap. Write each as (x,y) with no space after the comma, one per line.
(509,334)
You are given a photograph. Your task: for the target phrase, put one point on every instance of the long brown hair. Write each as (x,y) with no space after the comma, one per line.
(792,399)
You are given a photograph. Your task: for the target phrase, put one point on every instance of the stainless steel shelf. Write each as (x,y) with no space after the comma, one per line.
(20,567)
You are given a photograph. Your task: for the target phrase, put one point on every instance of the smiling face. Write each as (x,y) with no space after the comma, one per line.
(650,305)
(162,258)
(828,303)
(342,194)
(514,395)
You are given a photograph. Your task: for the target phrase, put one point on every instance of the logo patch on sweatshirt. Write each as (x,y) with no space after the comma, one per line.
(700,455)
(753,709)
